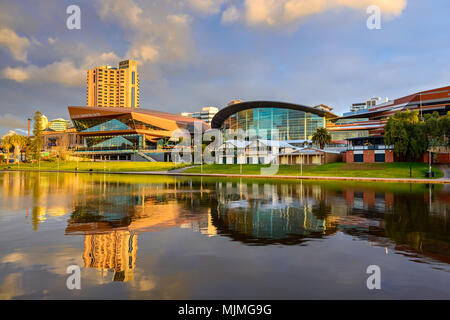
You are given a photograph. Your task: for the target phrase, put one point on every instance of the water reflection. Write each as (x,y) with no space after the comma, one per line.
(112,212)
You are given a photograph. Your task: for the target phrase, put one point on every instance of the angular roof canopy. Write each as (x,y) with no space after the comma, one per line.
(83,112)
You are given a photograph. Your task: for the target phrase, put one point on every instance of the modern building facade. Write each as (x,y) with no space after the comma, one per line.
(370,121)
(114,87)
(128,134)
(206,115)
(294,122)
(364,129)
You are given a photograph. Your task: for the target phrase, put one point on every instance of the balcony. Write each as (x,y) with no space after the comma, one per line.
(370,147)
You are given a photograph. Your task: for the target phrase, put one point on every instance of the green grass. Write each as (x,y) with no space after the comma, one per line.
(126,166)
(338,169)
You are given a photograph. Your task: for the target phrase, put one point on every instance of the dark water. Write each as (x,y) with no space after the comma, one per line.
(182,238)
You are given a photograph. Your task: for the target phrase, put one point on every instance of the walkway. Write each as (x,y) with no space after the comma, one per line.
(180,173)
(445,168)
(391,180)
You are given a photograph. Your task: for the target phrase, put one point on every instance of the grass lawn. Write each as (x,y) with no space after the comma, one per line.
(95,166)
(338,169)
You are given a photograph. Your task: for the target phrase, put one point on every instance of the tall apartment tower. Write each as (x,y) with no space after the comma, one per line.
(114,87)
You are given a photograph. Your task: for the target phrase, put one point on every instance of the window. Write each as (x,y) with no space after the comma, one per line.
(132,77)
(132,96)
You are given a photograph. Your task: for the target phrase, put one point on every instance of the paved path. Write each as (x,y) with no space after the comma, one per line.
(393,180)
(181,169)
(445,168)
(444,180)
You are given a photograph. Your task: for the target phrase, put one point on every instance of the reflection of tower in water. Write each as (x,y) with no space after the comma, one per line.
(116,251)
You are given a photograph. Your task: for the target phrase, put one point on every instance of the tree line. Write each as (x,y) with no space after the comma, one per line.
(412,135)
(17,143)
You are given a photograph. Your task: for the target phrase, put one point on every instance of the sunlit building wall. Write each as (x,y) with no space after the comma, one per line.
(114,87)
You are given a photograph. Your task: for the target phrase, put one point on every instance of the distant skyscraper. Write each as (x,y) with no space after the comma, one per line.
(114,87)
(205,115)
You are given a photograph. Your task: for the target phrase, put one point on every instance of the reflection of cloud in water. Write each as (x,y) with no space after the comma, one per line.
(11,286)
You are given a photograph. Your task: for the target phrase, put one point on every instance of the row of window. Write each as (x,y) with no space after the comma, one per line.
(291,124)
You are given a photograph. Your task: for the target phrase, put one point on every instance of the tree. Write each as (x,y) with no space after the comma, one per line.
(434,127)
(6,145)
(36,144)
(321,137)
(18,142)
(407,134)
(444,122)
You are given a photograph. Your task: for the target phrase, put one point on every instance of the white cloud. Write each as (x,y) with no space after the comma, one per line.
(231,14)
(9,121)
(64,72)
(144,52)
(281,12)
(179,18)
(207,6)
(126,13)
(157,32)
(16,44)
(61,72)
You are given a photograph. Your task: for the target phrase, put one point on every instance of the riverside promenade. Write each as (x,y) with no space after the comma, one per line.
(180,173)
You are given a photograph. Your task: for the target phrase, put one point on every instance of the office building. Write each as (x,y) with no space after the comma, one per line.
(206,115)
(114,87)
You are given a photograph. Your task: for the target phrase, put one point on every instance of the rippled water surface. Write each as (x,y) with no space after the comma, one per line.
(148,237)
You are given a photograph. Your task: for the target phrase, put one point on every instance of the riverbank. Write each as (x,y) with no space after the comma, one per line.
(73,166)
(391,173)
(403,170)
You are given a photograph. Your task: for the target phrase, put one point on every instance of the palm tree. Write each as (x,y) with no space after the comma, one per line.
(18,142)
(6,145)
(321,137)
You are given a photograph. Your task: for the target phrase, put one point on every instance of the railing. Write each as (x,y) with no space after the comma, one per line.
(373,147)
(93,149)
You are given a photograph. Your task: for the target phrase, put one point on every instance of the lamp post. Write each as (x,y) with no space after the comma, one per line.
(301,165)
(429,162)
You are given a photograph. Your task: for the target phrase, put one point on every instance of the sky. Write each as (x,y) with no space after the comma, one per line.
(196,53)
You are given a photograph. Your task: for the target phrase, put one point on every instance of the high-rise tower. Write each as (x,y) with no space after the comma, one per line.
(114,87)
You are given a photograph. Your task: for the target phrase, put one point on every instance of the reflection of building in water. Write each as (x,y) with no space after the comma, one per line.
(270,213)
(376,202)
(116,251)
(204,227)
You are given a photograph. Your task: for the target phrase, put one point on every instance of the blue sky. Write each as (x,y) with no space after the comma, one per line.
(194,53)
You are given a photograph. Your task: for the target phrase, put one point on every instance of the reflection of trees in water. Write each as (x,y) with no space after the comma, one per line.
(274,212)
(321,210)
(410,222)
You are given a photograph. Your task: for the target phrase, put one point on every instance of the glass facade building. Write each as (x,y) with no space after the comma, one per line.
(291,124)
(109,129)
